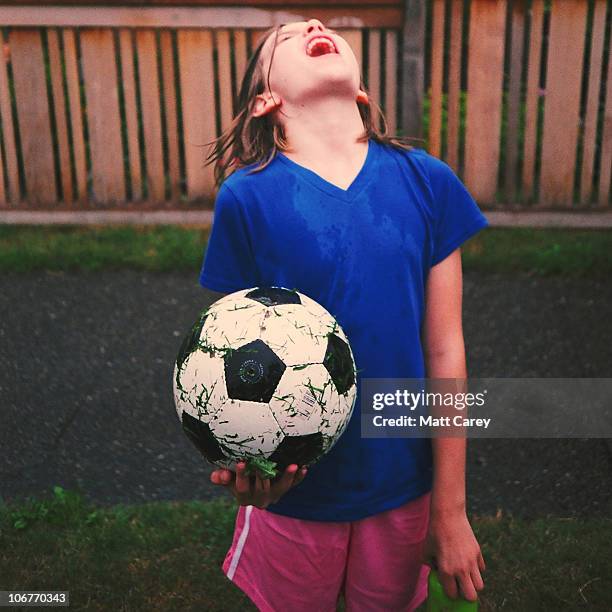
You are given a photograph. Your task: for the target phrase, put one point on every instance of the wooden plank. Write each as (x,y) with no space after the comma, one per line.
(284,3)
(146,48)
(374,77)
(204,17)
(12,197)
(454,86)
(170,97)
(34,123)
(606,144)
(592,102)
(126,50)
(196,73)
(255,36)
(413,52)
(240,53)
(354,39)
(434,142)
(59,104)
(562,102)
(391,90)
(225,77)
(103,120)
(484,98)
(532,99)
(517,17)
(76,119)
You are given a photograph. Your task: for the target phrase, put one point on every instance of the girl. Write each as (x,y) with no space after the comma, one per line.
(322,201)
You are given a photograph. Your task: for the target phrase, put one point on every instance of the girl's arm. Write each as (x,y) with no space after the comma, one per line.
(450,539)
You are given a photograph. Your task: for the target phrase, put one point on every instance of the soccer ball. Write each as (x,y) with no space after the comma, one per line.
(265,375)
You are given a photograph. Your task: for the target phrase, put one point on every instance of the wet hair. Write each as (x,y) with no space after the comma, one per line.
(253,140)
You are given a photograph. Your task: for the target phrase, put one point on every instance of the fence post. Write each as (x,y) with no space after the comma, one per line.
(413,61)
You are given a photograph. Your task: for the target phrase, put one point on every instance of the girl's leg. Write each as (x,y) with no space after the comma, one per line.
(283,563)
(384,570)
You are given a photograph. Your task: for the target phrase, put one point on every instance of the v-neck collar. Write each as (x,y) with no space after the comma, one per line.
(362,178)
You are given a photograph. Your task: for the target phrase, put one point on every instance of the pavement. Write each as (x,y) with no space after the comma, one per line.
(86,397)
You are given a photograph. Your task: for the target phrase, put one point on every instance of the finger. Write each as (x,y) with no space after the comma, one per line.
(481,562)
(286,480)
(449,584)
(477,580)
(243,483)
(262,485)
(467,588)
(299,476)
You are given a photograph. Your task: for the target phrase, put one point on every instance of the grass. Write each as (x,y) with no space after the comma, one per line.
(556,251)
(167,556)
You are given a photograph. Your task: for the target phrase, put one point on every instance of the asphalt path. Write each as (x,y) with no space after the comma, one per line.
(86,397)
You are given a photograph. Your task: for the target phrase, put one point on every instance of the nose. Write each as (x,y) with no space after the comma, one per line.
(312,25)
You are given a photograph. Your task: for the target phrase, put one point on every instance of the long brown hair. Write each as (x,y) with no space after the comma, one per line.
(256,139)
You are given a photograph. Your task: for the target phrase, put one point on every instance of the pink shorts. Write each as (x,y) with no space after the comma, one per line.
(283,563)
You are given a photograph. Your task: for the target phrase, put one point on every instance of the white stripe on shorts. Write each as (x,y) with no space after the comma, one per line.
(240,545)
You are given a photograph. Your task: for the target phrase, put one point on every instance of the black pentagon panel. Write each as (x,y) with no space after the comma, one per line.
(201,436)
(252,372)
(339,364)
(302,450)
(273,296)
(190,342)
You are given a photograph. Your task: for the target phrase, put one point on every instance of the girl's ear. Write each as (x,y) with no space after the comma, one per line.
(264,105)
(362,96)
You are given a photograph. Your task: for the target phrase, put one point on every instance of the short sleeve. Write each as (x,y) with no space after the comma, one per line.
(457,216)
(229,263)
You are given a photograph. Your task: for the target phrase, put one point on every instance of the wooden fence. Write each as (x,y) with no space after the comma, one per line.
(108,107)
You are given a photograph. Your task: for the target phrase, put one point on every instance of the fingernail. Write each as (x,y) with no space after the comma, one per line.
(304,470)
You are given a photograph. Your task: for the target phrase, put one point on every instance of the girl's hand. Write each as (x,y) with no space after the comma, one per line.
(255,491)
(451,543)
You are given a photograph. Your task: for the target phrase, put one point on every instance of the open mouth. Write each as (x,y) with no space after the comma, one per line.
(320,45)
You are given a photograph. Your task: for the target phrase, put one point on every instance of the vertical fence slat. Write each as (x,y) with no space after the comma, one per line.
(374,77)
(33,116)
(103,120)
(3,198)
(484,98)
(562,101)
(590,121)
(413,67)
(517,17)
(391,80)
(436,79)
(76,121)
(240,53)
(8,133)
(196,72)
(606,143)
(170,107)
(532,99)
(353,38)
(146,48)
(454,86)
(256,34)
(59,105)
(131,111)
(225,78)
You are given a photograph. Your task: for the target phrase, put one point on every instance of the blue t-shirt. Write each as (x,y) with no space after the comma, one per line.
(364,254)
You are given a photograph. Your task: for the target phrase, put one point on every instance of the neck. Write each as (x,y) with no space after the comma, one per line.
(325,124)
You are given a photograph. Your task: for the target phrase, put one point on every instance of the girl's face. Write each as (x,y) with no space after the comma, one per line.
(300,71)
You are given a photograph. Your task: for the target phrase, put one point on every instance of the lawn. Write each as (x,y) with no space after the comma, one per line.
(167,556)
(172,248)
